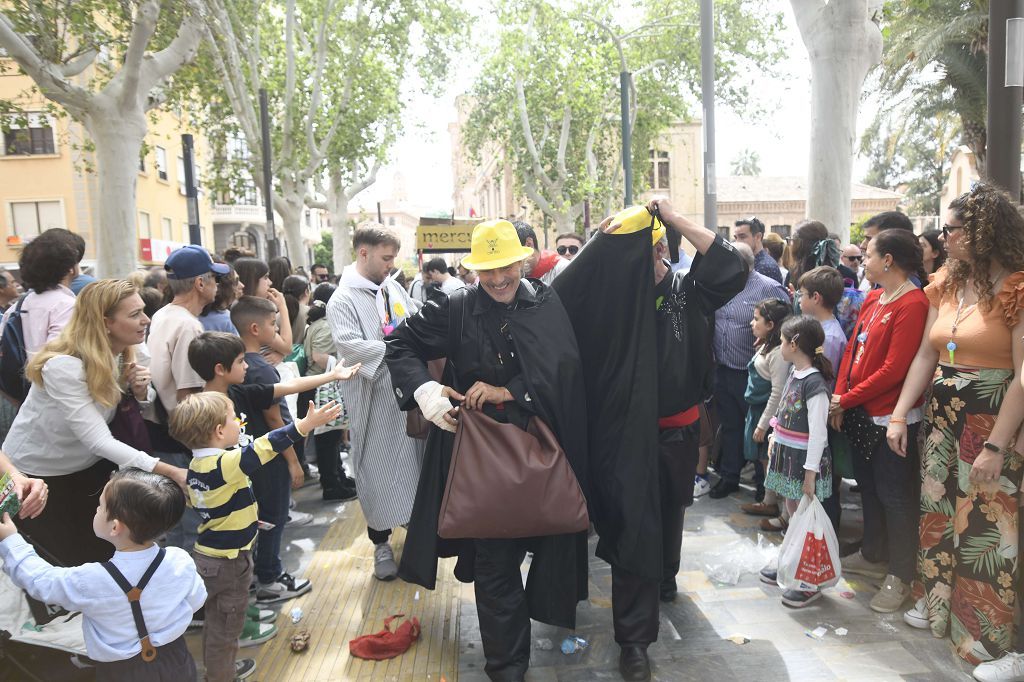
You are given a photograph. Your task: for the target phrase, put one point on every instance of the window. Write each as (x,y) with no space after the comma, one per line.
(782,230)
(725,231)
(391,221)
(144,230)
(658,174)
(167,229)
(29,218)
(142,163)
(28,134)
(185,236)
(181,176)
(161,163)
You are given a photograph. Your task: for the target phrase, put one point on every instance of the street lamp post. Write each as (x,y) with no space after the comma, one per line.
(707,95)
(1005,93)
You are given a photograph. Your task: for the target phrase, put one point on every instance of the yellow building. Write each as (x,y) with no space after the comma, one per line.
(45,179)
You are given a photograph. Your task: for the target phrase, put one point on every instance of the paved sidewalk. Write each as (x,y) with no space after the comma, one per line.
(693,643)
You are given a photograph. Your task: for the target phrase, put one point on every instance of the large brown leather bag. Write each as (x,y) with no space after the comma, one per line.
(504,482)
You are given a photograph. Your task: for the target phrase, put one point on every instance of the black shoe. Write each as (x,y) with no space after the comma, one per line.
(723,489)
(341,494)
(633,663)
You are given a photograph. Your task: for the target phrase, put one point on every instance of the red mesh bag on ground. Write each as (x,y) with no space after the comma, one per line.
(386,644)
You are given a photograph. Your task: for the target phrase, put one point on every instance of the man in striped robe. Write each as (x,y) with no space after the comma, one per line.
(385,461)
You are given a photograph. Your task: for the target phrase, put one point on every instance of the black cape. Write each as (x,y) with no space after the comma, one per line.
(550,385)
(608,293)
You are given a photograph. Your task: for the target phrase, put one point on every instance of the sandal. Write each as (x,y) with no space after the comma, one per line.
(760,509)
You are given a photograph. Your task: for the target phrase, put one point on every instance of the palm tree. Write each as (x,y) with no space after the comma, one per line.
(935,62)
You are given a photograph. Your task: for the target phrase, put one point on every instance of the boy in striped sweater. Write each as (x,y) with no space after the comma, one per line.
(219,489)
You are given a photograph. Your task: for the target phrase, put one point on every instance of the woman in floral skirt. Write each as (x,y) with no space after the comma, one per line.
(970,474)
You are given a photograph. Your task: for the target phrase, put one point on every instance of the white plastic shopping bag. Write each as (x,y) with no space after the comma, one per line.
(809,558)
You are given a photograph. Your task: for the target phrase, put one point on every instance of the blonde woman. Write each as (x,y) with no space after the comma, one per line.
(61,433)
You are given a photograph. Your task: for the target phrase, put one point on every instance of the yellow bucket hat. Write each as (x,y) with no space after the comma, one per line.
(636,218)
(495,244)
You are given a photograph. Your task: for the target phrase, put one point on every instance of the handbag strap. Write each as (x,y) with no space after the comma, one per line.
(456,320)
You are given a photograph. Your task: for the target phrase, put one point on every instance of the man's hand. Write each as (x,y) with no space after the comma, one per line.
(7,527)
(759,434)
(343,373)
(138,377)
(607,226)
(32,492)
(480,393)
(435,402)
(661,207)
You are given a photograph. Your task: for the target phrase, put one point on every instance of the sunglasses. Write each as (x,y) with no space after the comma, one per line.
(947,229)
(322,277)
(854,257)
(562,250)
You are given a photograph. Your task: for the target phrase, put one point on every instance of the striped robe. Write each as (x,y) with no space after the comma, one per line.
(386,462)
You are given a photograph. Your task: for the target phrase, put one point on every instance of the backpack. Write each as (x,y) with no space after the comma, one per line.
(13,356)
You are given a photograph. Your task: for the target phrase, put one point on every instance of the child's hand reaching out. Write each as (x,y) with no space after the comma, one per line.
(318,416)
(343,373)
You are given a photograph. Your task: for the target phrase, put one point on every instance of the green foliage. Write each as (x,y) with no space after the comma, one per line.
(747,163)
(566,58)
(324,251)
(933,64)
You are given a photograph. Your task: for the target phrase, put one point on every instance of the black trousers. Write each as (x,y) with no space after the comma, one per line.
(63,532)
(730,385)
(635,605)
(173,663)
(501,608)
(890,492)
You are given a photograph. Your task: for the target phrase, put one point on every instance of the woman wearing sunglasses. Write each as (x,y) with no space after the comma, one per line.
(970,472)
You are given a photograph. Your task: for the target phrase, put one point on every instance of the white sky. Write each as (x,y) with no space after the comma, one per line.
(781,137)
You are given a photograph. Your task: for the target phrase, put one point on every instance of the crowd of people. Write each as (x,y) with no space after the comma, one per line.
(154,449)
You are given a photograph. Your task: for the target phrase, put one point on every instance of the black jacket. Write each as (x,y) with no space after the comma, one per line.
(544,378)
(686,303)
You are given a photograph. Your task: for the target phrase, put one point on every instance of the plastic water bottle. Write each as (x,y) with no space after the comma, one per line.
(572,644)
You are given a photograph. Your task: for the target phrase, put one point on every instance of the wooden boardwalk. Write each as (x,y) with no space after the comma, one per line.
(346,601)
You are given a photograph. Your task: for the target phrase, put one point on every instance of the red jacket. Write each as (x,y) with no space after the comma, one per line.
(877,367)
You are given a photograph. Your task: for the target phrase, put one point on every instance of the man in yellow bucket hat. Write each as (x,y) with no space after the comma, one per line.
(512,354)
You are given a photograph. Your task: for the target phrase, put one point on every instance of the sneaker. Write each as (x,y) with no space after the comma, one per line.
(384,566)
(798,599)
(760,509)
(701,486)
(917,617)
(856,564)
(339,494)
(891,597)
(260,615)
(285,587)
(776,525)
(770,576)
(244,668)
(297,518)
(723,489)
(1009,668)
(254,633)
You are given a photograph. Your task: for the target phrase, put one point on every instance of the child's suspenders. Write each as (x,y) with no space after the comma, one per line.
(134,594)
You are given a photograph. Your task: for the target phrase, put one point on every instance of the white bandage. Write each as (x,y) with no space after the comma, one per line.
(434,404)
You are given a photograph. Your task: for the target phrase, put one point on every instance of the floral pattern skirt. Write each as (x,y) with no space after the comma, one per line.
(967,561)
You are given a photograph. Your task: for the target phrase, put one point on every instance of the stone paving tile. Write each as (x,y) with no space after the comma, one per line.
(693,642)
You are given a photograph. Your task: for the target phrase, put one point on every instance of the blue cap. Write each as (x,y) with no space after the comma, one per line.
(192,261)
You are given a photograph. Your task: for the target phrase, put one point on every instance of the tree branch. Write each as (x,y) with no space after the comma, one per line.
(807,13)
(563,143)
(179,52)
(321,59)
(289,80)
(79,64)
(143,28)
(524,121)
(46,74)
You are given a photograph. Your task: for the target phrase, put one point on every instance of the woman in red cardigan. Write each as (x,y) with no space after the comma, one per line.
(885,339)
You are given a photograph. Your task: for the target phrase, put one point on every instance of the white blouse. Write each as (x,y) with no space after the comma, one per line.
(61,430)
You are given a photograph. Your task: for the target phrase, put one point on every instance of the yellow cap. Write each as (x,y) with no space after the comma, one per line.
(636,218)
(495,244)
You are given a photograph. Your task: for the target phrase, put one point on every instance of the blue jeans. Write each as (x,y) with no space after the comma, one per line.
(184,533)
(271,484)
(730,385)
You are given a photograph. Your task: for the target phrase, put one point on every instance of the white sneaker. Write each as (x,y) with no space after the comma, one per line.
(1009,668)
(701,486)
(285,587)
(917,617)
(297,518)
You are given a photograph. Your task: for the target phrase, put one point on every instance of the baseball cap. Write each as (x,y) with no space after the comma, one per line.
(192,261)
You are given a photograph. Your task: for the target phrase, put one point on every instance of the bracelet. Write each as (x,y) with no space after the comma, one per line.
(992,447)
(897,420)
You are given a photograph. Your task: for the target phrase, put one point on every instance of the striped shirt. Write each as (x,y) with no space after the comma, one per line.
(219,490)
(734,342)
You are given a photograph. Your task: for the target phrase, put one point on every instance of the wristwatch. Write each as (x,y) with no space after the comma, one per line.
(994,448)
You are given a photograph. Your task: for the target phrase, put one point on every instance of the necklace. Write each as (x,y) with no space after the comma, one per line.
(863,336)
(951,345)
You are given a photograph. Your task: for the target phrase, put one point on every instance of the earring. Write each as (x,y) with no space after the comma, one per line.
(887,268)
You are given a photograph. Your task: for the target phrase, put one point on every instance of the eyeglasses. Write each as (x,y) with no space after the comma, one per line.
(322,277)
(946,229)
(572,250)
(857,258)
